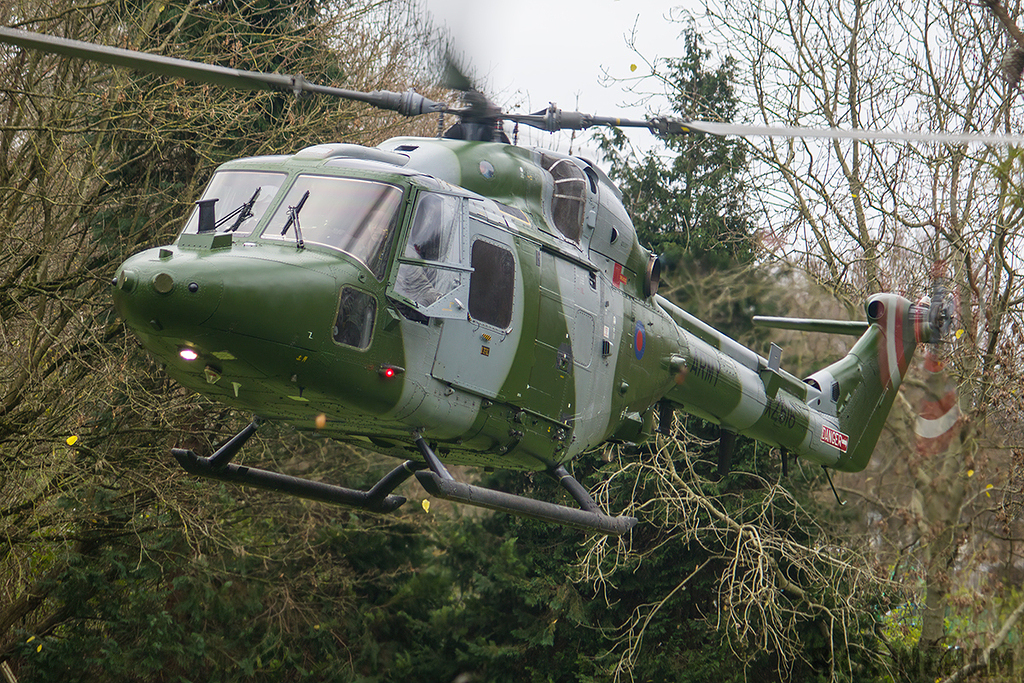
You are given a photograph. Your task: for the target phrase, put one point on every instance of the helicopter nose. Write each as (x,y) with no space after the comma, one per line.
(276,331)
(222,296)
(162,292)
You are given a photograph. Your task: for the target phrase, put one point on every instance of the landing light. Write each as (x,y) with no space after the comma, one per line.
(188,354)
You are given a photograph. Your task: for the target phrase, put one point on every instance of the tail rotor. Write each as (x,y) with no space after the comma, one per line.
(938,408)
(942,307)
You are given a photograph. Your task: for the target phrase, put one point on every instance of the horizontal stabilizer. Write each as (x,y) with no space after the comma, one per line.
(851,327)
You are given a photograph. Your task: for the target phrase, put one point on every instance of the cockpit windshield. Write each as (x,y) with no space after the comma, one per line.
(242,199)
(355,216)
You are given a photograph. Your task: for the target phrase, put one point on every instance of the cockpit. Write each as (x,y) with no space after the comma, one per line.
(356,216)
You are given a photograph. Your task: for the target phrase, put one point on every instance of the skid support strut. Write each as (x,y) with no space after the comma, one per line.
(432,474)
(438,482)
(218,466)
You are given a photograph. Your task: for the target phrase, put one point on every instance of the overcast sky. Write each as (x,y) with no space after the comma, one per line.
(531,52)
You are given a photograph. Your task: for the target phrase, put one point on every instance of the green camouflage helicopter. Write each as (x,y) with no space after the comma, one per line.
(463,300)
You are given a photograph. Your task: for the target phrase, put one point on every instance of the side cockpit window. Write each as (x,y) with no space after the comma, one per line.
(431,258)
(354,324)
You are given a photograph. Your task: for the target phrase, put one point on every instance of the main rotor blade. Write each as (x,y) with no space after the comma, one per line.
(407,103)
(555,119)
(411,103)
(748,130)
(452,76)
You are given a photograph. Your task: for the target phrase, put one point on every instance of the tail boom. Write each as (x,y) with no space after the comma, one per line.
(835,416)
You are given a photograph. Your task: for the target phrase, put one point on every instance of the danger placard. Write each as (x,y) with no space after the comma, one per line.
(834,438)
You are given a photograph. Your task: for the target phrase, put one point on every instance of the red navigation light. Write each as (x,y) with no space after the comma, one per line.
(389,371)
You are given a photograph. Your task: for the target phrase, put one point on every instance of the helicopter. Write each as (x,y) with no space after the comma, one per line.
(462,300)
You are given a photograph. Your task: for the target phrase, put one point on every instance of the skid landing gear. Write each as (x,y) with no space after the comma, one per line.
(438,482)
(217,466)
(432,474)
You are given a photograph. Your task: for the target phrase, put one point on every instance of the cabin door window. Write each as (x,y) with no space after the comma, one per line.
(492,284)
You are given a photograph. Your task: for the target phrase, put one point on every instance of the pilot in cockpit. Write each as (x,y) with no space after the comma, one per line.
(424,243)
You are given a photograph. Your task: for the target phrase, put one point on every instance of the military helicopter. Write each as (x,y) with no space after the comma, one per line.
(462,300)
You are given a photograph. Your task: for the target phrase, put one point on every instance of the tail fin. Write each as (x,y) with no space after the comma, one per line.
(863,384)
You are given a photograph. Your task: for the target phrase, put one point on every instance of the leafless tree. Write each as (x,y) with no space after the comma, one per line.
(771,584)
(863,217)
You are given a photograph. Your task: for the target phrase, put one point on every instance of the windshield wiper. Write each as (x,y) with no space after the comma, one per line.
(241,214)
(293,218)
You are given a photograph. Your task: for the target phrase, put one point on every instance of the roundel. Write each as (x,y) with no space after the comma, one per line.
(639,340)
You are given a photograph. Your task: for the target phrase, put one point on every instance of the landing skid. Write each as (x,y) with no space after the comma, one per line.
(438,482)
(432,474)
(217,466)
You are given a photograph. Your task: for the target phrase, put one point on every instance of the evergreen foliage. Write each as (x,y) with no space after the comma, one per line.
(690,202)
